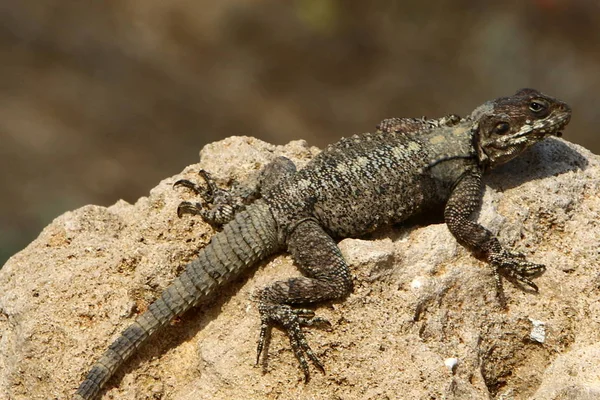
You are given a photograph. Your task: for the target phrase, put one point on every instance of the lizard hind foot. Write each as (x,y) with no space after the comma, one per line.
(214,216)
(218,206)
(207,193)
(291,321)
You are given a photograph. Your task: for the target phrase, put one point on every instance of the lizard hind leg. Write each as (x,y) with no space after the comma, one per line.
(327,277)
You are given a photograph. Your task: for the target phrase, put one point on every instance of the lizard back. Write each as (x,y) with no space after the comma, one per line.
(370,180)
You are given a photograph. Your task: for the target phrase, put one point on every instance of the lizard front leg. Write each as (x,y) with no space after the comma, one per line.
(327,277)
(464,200)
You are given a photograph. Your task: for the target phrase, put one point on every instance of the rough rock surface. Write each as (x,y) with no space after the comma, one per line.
(422,322)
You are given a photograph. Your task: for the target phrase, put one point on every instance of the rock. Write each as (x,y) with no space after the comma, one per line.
(420,299)
(572,375)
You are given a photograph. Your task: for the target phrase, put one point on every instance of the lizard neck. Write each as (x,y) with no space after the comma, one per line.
(450,143)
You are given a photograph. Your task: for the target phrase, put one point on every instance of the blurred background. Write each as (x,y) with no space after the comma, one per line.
(100,100)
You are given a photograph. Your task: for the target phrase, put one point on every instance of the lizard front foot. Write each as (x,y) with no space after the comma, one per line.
(516,269)
(291,320)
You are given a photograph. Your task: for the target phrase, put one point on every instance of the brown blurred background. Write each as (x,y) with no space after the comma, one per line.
(100,100)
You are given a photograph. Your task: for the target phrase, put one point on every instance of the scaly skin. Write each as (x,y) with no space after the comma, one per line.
(353,187)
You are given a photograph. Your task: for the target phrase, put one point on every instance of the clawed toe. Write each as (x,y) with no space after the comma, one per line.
(207,192)
(308,318)
(521,271)
(291,321)
(532,270)
(189,185)
(516,269)
(185,207)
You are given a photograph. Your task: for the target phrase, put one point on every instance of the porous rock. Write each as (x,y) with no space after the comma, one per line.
(419,300)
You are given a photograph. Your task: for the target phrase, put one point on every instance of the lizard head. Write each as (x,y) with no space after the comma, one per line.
(509,125)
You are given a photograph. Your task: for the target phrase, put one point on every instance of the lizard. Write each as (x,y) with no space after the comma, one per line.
(361,183)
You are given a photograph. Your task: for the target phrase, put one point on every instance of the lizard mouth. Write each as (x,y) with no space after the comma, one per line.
(562,122)
(558,126)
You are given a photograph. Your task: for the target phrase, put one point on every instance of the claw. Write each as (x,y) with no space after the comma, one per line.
(211,186)
(207,192)
(189,185)
(515,268)
(530,284)
(185,207)
(291,320)
(217,205)
(307,317)
(499,288)
(315,321)
(521,277)
(531,269)
(262,339)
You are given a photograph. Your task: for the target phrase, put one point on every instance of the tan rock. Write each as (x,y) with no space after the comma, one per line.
(422,322)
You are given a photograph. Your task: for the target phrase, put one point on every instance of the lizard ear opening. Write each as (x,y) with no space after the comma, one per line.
(482,157)
(502,128)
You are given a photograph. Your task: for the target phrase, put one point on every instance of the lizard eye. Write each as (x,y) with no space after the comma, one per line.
(537,106)
(501,128)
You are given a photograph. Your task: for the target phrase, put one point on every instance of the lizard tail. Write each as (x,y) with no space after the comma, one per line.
(247,239)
